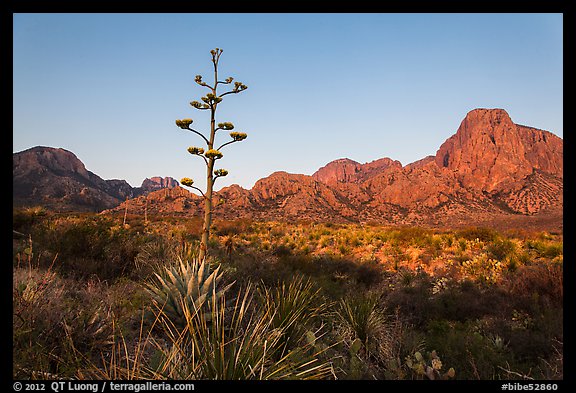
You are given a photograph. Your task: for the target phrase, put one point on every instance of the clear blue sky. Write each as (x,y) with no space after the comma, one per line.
(108,87)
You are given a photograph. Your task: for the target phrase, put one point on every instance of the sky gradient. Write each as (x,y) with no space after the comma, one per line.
(108,87)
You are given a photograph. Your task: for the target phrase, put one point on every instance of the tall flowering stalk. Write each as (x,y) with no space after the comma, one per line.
(210,102)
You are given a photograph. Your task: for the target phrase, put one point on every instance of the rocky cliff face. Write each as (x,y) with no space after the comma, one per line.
(489,152)
(158,183)
(345,170)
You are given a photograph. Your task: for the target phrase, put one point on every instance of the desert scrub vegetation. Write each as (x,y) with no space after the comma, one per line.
(95,296)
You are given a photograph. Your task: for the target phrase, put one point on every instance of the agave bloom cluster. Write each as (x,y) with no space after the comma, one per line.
(211,99)
(199,105)
(226,125)
(213,153)
(185,288)
(186,181)
(220,172)
(195,150)
(184,123)
(238,86)
(238,136)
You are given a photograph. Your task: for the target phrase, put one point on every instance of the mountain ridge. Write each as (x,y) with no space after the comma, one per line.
(490,169)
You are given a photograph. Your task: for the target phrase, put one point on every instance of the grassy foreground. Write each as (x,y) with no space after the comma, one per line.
(94,298)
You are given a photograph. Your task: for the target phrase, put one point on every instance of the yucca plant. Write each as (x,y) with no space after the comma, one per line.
(293,307)
(362,319)
(235,342)
(185,287)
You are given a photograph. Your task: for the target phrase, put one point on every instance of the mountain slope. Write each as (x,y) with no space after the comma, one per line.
(57,179)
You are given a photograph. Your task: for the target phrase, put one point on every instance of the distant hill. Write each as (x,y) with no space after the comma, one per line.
(57,179)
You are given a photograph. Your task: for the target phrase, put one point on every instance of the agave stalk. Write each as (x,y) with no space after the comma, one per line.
(211,153)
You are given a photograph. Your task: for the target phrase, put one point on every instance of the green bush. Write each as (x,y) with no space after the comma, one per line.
(501,248)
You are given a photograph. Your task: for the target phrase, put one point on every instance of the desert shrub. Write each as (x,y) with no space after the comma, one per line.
(474,355)
(532,336)
(368,273)
(462,245)
(58,323)
(436,245)
(89,245)
(482,269)
(37,320)
(462,301)
(543,281)
(282,251)
(480,233)
(229,228)
(24,219)
(529,345)
(546,249)
(501,248)
(414,302)
(416,236)
(344,249)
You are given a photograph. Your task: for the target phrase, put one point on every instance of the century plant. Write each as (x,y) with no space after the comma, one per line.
(211,153)
(185,287)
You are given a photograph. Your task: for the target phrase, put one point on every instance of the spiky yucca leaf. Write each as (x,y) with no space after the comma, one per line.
(362,318)
(293,306)
(185,287)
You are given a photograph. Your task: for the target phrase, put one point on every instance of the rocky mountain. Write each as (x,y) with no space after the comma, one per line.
(345,170)
(57,179)
(157,183)
(490,171)
(490,152)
